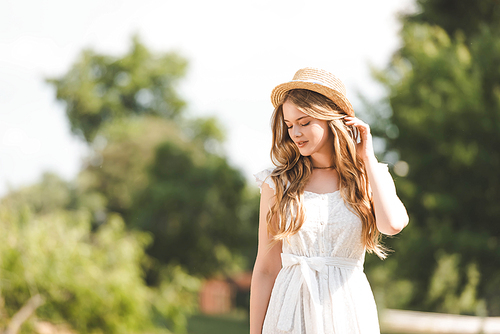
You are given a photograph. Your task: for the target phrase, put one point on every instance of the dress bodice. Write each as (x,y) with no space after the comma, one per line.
(330,228)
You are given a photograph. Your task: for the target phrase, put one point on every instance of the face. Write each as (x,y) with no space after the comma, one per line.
(311,135)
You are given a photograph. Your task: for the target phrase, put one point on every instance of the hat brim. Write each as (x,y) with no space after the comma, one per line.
(339,99)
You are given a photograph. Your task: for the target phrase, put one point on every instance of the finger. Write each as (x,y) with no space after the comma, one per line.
(358,124)
(353,120)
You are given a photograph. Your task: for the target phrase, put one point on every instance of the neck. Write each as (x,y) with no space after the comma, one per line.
(322,161)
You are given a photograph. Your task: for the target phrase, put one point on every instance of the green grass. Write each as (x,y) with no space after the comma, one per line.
(236,323)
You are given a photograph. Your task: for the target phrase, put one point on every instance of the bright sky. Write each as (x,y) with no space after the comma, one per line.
(237,50)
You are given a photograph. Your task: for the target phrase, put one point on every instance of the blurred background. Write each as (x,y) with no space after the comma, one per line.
(129,133)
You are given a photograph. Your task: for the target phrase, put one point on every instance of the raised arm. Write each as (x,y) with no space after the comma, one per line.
(266,268)
(390,214)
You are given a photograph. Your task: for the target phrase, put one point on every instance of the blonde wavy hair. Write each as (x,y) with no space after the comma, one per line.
(293,171)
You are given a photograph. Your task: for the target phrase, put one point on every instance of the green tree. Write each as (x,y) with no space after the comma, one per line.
(137,146)
(91,280)
(50,194)
(444,97)
(67,242)
(101,88)
(196,205)
(468,16)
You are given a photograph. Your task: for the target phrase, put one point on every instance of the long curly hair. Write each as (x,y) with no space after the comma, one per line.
(293,171)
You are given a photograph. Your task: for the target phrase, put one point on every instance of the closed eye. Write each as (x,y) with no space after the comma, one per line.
(305,124)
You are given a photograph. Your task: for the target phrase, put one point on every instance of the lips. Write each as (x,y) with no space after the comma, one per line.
(301,144)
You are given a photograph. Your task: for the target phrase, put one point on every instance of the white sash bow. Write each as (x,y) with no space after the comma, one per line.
(308,266)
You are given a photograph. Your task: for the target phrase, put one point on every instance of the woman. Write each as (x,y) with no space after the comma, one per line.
(324,204)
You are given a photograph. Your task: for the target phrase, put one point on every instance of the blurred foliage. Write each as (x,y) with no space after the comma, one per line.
(445,290)
(50,194)
(199,210)
(93,281)
(117,169)
(175,299)
(442,120)
(467,16)
(163,172)
(165,181)
(101,88)
(156,206)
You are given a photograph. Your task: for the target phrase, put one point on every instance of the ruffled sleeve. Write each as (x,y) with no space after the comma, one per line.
(265,177)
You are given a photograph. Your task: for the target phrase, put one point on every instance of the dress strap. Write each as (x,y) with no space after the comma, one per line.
(308,267)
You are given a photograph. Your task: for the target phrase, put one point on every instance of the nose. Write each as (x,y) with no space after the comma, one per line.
(296,131)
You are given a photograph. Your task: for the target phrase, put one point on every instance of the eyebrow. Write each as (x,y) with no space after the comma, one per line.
(298,119)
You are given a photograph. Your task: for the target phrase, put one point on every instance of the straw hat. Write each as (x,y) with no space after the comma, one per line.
(319,81)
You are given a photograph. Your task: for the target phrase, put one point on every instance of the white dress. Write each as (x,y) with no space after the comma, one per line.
(321,287)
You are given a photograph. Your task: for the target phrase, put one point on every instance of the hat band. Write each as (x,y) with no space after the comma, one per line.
(310,81)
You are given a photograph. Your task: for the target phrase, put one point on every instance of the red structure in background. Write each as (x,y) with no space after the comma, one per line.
(218,296)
